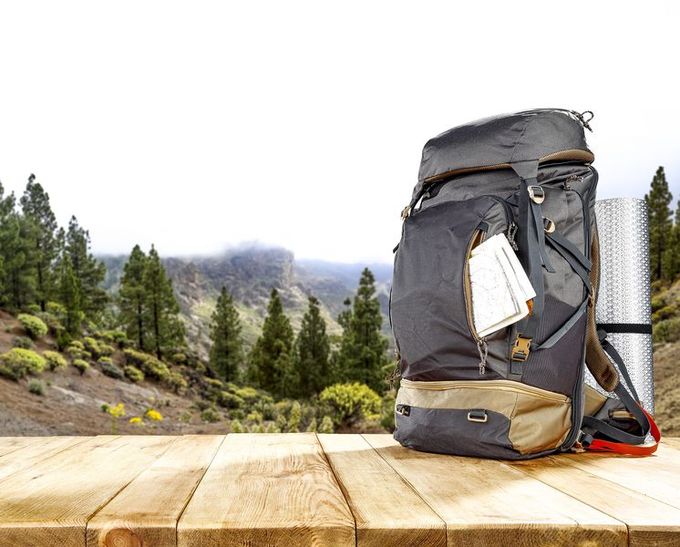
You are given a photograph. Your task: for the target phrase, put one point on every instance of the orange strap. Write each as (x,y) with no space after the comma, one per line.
(598,445)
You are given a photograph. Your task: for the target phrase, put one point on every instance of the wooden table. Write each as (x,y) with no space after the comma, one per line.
(307,489)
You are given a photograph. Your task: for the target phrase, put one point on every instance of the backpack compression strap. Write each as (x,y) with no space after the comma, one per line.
(598,353)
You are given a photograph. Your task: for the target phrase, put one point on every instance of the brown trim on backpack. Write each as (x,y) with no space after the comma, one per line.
(597,360)
(575,154)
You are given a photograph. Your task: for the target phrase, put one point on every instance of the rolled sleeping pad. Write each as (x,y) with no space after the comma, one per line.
(623,303)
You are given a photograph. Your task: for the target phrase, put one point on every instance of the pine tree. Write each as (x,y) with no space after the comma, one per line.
(362,356)
(312,352)
(132,297)
(271,357)
(35,204)
(226,353)
(165,329)
(17,255)
(671,257)
(88,270)
(68,293)
(658,200)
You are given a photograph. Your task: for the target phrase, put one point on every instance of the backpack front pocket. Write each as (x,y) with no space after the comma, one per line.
(502,418)
(430,307)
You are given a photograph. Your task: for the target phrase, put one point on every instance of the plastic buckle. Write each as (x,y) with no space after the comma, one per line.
(537,194)
(479,416)
(405,212)
(548,225)
(521,349)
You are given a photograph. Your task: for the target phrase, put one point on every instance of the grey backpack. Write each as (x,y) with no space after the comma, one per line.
(519,392)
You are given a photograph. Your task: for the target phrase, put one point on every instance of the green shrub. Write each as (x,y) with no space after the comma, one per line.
(176,382)
(180,358)
(667,330)
(106,350)
(34,326)
(23,342)
(56,309)
(33,308)
(111,370)
(148,364)
(54,360)
(236,427)
(351,403)
(210,415)
(76,350)
(92,346)
(312,427)
(19,362)
(105,361)
(326,425)
(36,387)
(81,365)
(117,337)
(294,417)
(248,394)
(229,400)
(133,373)
(213,383)
(657,303)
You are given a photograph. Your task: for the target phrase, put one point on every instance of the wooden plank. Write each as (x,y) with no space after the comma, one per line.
(51,502)
(386,509)
(656,476)
(274,489)
(650,522)
(146,511)
(10,444)
(35,452)
(486,502)
(672,442)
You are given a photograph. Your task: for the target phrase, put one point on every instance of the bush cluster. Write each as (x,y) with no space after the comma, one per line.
(34,326)
(352,403)
(81,365)
(19,362)
(133,373)
(36,387)
(111,370)
(54,360)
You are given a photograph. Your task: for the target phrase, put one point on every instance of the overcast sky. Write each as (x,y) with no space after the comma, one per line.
(199,125)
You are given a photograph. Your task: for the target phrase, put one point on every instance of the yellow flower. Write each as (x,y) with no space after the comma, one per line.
(136,420)
(154,415)
(117,411)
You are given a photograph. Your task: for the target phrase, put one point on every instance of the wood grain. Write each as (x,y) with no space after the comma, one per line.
(650,522)
(272,489)
(386,509)
(486,502)
(656,476)
(672,442)
(41,449)
(10,444)
(51,502)
(146,511)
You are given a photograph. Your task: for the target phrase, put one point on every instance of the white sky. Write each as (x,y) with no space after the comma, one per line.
(197,125)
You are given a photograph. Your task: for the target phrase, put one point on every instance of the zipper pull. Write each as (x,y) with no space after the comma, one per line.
(511,233)
(483,349)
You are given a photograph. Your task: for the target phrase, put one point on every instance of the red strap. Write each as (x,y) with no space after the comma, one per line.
(598,445)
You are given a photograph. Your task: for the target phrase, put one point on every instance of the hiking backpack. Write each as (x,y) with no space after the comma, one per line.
(519,392)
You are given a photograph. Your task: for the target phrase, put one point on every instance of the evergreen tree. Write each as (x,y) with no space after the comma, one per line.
(165,329)
(17,256)
(271,358)
(88,270)
(312,352)
(68,292)
(658,200)
(35,204)
(132,297)
(362,356)
(671,259)
(226,353)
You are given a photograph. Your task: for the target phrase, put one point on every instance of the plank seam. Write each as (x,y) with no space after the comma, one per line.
(105,503)
(340,486)
(519,468)
(411,486)
(198,482)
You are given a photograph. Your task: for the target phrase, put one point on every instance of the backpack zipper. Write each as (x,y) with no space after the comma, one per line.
(495,385)
(478,236)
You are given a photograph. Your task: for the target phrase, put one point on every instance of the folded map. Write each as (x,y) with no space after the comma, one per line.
(500,286)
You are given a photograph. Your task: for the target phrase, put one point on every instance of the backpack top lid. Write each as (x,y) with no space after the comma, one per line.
(547,134)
